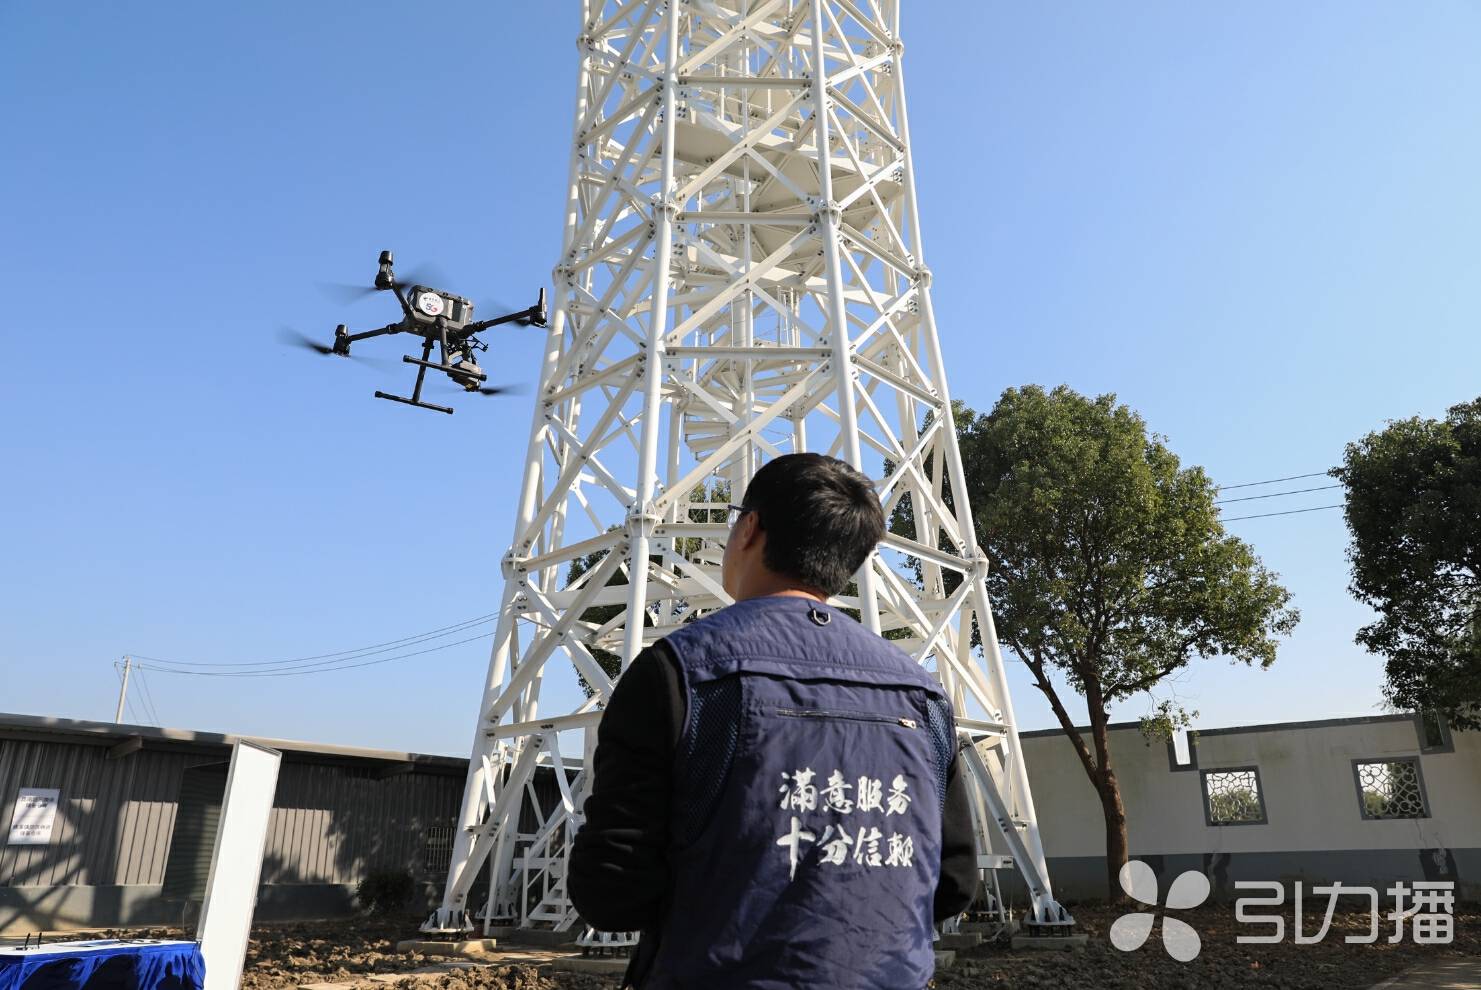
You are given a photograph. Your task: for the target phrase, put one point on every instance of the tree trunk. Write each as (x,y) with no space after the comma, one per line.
(1097,767)
(1110,792)
(1116,844)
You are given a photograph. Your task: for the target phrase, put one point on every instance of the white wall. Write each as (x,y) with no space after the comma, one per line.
(1306,775)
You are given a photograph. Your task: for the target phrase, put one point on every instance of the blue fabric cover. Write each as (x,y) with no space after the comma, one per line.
(782,880)
(104,964)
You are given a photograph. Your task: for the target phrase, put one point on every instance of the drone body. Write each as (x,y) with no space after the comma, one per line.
(443,321)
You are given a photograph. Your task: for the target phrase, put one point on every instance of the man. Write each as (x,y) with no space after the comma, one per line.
(777,800)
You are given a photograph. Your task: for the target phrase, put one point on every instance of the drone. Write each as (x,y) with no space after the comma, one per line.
(442,320)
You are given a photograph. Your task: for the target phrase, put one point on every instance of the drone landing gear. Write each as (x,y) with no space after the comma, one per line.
(416,393)
(413,402)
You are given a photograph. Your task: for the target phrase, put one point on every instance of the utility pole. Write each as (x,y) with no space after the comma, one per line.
(123,690)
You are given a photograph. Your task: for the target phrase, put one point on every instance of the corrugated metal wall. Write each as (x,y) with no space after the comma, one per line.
(330,823)
(333,824)
(337,816)
(113,819)
(197,819)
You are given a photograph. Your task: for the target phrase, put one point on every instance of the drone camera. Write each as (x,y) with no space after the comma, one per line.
(471,373)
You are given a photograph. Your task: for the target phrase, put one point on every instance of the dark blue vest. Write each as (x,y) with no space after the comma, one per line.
(809,781)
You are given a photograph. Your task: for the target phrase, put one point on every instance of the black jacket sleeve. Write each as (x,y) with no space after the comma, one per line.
(957,887)
(619,872)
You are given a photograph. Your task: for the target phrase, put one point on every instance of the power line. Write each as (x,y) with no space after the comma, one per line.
(1253,484)
(137,698)
(329,659)
(1296,491)
(148,700)
(353,654)
(330,662)
(312,670)
(1288,512)
(128,702)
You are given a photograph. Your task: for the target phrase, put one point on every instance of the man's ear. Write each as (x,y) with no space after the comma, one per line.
(749,531)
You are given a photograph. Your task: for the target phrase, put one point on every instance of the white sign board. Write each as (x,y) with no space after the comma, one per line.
(236,863)
(35,813)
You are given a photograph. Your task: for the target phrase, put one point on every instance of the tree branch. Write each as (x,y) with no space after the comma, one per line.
(1120,689)
(1041,681)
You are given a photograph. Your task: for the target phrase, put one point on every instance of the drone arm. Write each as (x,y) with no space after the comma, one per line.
(401,298)
(524,314)
(365,335)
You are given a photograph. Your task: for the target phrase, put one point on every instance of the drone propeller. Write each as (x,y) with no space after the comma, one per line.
(346,292)
(349,292)
(428,275)
(449,386)
(294,338)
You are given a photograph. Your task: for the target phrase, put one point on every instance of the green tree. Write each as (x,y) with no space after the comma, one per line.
(598,616)
(1375,803)
(1414,514)
(1238,805)
(1109,569)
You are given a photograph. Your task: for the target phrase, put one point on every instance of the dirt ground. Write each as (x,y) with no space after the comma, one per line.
(1330,963)
(282,957)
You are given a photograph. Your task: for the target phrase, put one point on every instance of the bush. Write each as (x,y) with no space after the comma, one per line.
(383,892)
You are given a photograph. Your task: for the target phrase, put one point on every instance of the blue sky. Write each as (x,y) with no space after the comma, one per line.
(1256,224)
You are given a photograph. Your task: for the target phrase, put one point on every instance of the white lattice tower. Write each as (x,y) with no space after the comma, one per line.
(740,277)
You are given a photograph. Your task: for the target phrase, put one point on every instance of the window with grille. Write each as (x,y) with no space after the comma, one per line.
(1390,789)
(438,846)
(1232,797)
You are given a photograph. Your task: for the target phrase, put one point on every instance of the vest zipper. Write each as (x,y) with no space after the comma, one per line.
(908,723)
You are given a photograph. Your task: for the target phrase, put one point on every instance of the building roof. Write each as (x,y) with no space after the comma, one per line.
(15,726)
(1321,723)
(111,733)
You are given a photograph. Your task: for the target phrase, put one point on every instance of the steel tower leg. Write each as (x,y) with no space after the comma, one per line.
(741,276)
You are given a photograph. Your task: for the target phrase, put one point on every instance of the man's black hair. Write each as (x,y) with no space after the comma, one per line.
(822,518)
